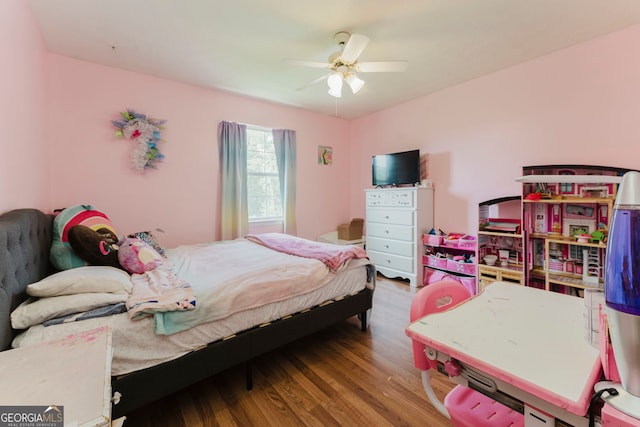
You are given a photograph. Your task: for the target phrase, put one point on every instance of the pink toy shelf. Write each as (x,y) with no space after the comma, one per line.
(451,256)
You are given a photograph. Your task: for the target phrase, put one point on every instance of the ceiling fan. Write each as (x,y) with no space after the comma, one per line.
(343,65)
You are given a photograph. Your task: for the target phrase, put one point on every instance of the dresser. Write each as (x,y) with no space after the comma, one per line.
(396,218)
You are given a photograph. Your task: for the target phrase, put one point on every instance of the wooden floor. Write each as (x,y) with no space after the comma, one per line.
(338,377)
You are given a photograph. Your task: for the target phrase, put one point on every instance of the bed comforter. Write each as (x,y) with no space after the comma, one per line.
(237,275)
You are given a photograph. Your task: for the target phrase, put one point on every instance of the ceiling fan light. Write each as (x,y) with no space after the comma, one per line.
(355,83)
(335,93)
(335,85)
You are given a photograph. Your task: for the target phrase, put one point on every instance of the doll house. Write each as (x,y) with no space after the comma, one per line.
(566,211)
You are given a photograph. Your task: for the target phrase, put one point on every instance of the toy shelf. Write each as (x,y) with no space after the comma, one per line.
(439,263)
(441,256)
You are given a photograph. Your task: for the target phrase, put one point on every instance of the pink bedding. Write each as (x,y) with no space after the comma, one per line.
(333,256)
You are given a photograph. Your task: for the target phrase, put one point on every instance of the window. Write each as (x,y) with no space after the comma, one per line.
(566,187)
(263,184)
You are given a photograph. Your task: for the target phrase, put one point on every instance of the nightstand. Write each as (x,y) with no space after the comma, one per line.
(332,237)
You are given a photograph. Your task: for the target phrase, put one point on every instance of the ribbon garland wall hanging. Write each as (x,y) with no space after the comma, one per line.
(144,132)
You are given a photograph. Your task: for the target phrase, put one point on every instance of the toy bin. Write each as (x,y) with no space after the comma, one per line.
(437,262)
(470,284)
(461,267)
(432,276)
(432,239)
(451,242)
(467,242)
(453,239)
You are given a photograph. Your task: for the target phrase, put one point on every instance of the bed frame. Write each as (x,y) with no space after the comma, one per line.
(25,239)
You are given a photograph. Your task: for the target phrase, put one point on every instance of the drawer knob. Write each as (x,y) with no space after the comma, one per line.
(386,246)
(386,231)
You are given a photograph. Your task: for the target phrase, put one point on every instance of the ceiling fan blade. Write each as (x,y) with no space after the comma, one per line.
(382,66)
(311,83)
(354,47)
(303,63)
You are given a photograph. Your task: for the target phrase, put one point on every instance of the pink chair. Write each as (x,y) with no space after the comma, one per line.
(463,406)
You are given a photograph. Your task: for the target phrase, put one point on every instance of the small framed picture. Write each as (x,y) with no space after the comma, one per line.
(325,155)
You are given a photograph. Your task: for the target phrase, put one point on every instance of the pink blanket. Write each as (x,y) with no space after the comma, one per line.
(333,256)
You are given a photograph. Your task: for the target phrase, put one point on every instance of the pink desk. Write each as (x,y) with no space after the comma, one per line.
(530,343)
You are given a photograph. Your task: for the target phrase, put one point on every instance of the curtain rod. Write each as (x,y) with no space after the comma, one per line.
(257,127)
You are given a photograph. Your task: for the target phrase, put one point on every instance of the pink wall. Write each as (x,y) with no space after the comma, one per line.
(91,165)
(580,105)
(24,149)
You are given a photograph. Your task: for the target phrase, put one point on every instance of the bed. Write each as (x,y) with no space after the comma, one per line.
(25,241)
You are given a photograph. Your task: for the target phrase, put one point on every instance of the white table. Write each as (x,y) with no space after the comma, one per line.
(530,342)
(74,373)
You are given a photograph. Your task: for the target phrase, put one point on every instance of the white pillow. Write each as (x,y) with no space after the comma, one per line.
(82,280)
(35,311)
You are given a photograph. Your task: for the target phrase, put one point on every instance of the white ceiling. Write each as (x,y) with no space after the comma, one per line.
(239,46)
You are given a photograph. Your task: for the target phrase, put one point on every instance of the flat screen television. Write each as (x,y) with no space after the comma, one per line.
(396,168)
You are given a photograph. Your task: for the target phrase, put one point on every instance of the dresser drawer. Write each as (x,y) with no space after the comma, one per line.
(390,231)
(394,198)
(390,216)
(396,262)
(390,246)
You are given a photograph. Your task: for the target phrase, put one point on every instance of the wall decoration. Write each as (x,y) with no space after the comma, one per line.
(144,132)
(325,155)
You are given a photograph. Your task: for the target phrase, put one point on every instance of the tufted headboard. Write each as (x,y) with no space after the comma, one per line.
(25,240)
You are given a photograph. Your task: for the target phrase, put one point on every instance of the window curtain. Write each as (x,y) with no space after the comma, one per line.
(284,141)
(232,147)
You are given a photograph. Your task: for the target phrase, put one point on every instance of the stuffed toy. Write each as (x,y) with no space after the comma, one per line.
(62,255)
(151,240)
(137,256)
(97,247)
